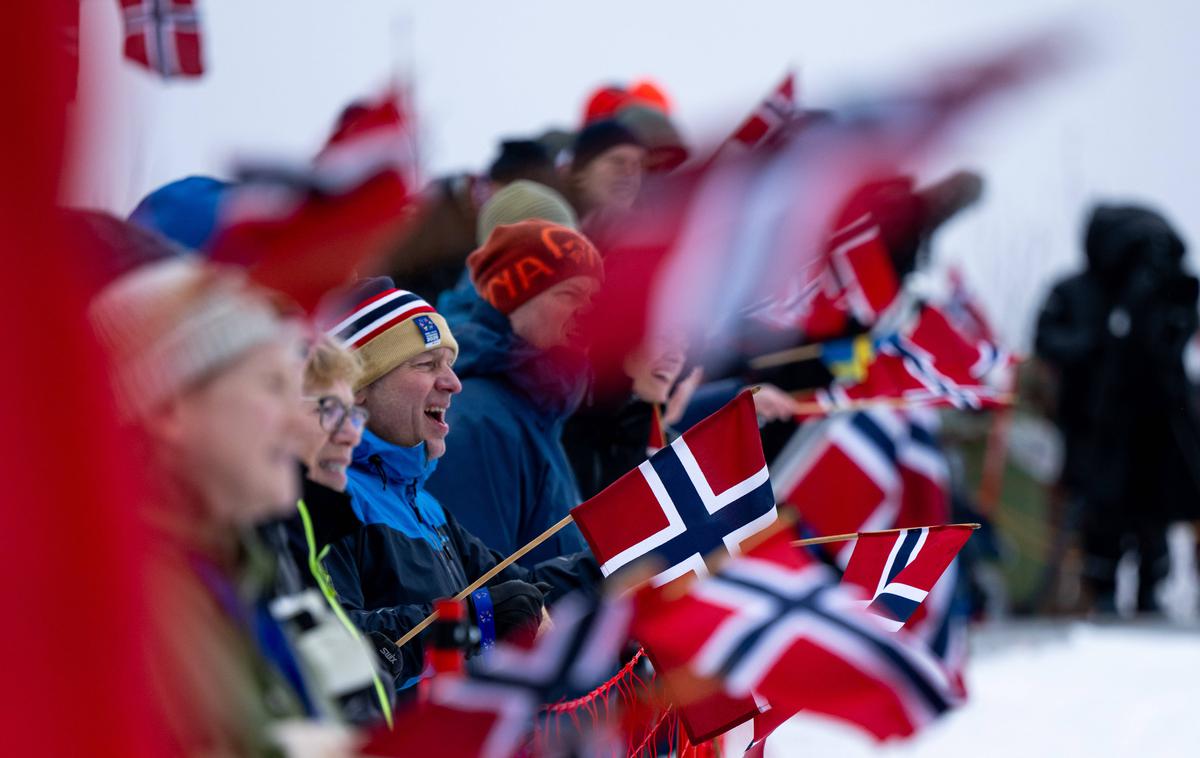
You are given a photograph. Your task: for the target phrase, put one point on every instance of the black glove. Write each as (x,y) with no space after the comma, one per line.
(389,655)
(516,605)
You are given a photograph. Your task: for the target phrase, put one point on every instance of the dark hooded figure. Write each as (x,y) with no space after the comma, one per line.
(1116,333)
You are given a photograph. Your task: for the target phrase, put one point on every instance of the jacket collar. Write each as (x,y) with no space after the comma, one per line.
(554,381)
(400,465)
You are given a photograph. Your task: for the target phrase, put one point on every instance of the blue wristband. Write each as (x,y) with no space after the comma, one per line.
(485,618)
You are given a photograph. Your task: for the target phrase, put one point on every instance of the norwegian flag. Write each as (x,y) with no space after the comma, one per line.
(772,114)
(706,244)
(856,280)
(864,471)
(491,711)
(304,230)
(898,570)
(164,36)
(964,311)
(876,470)
(774,621)
(707,491)
(704,493)
(929,364)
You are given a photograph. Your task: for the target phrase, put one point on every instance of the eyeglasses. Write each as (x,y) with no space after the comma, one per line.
(333,413)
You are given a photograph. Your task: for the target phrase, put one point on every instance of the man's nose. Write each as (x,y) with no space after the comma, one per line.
(447,381)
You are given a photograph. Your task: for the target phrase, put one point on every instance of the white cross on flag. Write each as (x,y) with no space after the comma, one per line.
(773,621)
(898,570)
(706,491)
(771,115)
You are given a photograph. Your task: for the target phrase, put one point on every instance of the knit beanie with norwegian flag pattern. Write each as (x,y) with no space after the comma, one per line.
(386,326)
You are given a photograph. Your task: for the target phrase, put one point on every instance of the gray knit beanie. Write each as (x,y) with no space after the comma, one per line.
(524,200)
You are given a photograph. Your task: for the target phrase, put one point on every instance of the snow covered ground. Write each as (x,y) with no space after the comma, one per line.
(1051,689)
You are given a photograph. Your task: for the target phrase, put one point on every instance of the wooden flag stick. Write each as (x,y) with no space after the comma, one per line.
(856,535)
(488,576)
(814,408)
(784,357)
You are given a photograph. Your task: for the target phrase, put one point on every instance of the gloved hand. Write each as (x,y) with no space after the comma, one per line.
(516,605)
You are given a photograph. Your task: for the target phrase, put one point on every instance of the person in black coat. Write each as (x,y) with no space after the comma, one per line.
(1115,334)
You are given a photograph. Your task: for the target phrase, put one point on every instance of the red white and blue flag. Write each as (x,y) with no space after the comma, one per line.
(774,621)
(772,114)
(876,470)
(964,311)
(855,282)
(491,711)
(305,229)
(164,36)
(928,364)
(864,471)
(705,492)
(898,570)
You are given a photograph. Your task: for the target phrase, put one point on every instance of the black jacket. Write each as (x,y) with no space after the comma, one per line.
(1115,333)
(604,442)
(386,580)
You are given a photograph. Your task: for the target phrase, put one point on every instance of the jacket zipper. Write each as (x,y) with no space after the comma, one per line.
(443,551)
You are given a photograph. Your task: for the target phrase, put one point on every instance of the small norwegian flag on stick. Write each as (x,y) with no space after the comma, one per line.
(771,115)
(898,569)
(774,621)
(704,494)
(708,490)
(164,36)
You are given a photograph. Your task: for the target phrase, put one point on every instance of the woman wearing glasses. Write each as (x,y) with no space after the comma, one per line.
(332,428)
(336,423)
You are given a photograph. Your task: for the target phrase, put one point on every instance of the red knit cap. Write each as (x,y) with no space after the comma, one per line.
(520,261)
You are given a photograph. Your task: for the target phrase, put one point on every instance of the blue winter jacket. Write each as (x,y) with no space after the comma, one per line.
(505,475)
(406,550)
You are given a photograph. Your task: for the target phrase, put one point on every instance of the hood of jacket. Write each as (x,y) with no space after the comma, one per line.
(554,380)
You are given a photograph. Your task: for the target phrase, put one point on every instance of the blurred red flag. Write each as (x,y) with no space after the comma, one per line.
(773,620)
(304,231)
(770,117)
(75,676)
(708,247)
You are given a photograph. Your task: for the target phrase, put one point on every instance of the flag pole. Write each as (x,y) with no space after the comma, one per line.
(784,357)
(494,570)
(814,409)
(855,535)
(488,576)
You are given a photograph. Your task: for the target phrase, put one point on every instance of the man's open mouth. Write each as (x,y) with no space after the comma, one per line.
(437,414)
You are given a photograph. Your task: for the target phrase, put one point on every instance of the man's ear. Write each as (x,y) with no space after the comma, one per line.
(360,397)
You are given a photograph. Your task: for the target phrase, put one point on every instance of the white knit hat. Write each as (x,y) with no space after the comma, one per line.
(168,324)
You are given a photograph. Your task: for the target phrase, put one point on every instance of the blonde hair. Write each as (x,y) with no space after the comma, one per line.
(329,362)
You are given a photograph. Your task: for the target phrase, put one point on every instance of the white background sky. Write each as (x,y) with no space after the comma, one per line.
(1123,125)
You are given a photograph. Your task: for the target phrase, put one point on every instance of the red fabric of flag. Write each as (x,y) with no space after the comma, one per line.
(164,36)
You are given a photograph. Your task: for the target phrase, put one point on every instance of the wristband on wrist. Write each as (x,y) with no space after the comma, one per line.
(485,618)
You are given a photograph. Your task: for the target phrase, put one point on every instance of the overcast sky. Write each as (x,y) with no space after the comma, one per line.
(1125,125)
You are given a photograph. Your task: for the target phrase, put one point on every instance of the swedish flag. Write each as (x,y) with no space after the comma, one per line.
(848,359)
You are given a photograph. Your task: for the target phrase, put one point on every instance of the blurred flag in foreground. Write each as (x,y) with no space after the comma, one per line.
(776,622)
(305,230)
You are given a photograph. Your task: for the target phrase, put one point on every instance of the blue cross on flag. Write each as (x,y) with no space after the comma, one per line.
(707,491)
